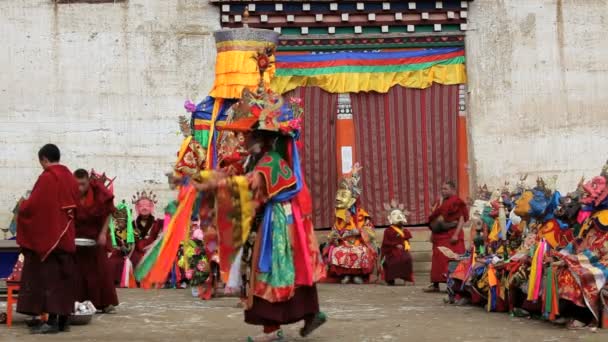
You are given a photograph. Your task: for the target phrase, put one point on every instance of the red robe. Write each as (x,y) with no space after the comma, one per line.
(45,221)
(145,235)
(451,209)
(45,232)
(95,282)
(397,261)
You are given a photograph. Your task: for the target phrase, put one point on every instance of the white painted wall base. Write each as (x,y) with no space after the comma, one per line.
(105,82)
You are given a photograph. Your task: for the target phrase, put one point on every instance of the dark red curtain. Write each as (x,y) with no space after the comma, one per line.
(319,150)
(406,143)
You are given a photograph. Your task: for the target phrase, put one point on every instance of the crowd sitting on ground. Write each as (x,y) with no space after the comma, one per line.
(537,253)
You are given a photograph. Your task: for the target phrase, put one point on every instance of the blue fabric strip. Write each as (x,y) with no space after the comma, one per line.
(265,262)
(363,55)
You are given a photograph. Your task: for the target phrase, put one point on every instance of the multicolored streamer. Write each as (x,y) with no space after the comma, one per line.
(344,72)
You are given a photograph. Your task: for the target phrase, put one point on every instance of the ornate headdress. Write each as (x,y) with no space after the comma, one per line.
(483,193)
(139,196)
(185,124)
(352,181)
(394,205)
(123,213)
(521,185)
(103,179)
(263,109)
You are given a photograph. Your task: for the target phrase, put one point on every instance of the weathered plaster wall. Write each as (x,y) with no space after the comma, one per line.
(106,82)
(538,74)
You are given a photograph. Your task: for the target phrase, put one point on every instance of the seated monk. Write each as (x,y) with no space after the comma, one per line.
(395,246)
(447,220)
(146,228)
(351,253)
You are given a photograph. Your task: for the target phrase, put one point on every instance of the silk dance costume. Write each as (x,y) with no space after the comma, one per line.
(267,245)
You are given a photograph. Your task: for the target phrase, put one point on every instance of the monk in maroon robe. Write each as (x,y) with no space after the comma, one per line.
(95,281)
(45,233)
(447,220)
(397,258)
(396,247)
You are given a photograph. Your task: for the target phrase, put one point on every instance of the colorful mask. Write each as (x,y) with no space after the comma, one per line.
(522,204)
(538,203)
(397,213)
(568,208)
(144,203)
(596,191)
(348,189)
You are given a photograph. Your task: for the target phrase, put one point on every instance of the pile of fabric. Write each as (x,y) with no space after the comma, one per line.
(537,253)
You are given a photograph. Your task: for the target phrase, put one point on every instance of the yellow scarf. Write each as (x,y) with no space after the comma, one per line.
(406,244)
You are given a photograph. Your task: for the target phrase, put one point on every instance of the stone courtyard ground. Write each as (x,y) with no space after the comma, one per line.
(357,313)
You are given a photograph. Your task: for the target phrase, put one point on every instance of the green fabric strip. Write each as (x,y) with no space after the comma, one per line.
(350,69)
(113,232)
(201,136)
(548,291)
(282,273)
(148,261)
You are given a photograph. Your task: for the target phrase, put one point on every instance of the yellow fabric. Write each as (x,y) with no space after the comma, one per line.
(547,231)
(493,236)
(235,70)
(378,82)
(247,210)
(492,281)
(406,244)
(533,273)
(208,122)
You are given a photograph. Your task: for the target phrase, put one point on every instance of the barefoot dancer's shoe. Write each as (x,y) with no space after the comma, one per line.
(346,280)
(309,327)
(358,280)
(276,336)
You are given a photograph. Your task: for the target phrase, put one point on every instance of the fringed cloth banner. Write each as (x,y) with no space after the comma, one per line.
(353,72)
(235,67)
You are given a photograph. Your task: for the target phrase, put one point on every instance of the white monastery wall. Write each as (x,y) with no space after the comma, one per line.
(538,80)
(105,82)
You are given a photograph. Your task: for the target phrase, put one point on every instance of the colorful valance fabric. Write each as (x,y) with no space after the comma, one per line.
(353,72)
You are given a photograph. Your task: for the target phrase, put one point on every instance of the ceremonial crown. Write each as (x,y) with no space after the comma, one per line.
(139,196)
(352,181)
(394,205)
(263,109)
(122,211)
(483,193)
